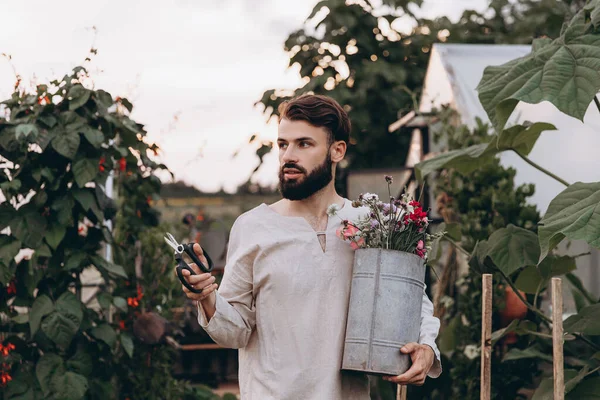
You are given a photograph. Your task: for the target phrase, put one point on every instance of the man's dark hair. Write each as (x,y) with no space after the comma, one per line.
(319,111)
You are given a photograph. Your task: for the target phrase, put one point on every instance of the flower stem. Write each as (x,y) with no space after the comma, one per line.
(597,102)
(458,246)
(542,169)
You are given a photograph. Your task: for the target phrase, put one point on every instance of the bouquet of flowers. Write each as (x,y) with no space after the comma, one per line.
(400,224)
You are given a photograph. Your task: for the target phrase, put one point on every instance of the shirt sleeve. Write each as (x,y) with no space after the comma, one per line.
(235,315)
(430,327)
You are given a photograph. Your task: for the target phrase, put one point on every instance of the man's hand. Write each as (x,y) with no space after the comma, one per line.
(422,357)
(204,281)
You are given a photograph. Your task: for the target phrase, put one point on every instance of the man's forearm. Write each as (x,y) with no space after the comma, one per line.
(209,307)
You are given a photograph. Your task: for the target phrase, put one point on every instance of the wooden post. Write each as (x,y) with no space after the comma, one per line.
(486,337)
(401,393)
(557,339)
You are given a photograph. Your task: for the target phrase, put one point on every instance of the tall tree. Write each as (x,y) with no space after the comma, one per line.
(354,52)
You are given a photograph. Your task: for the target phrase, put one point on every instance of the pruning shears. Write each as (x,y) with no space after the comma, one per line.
(187,248)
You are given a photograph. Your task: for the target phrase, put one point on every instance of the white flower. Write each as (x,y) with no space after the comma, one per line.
(333,209)
(370,196)
(472,351)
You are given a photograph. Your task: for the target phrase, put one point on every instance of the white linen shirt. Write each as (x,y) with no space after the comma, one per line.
(283,302)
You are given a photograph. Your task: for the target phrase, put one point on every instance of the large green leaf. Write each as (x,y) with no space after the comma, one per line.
(63,208)
(513,248)
(29,227)
(9,248)
(127,343)
(69,386)
(81,362)
(78,96)
(75,260)
(534,277)
(85,170)
(545,390)
(66,143)
(62,324)
(105,333)
(589,389)
(84,197)
(48,366)
(565,72)
(55,235)
(42,306)
(25,130)
(593,13)
(114,269)
(7,214)
(519,138)
(587,321)
(94,136)
(60,328)
(574,213)
(529,352)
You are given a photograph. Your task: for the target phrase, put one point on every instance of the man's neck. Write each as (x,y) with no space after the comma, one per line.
(316,205)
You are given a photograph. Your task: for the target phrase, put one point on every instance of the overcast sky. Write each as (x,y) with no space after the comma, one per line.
(205,61)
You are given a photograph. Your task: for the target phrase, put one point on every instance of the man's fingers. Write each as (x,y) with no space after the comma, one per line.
(206,291)
(409,347)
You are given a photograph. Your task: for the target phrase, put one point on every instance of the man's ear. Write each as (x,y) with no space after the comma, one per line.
(338,151)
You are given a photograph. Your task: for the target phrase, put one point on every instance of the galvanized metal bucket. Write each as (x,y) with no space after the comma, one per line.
(384,312)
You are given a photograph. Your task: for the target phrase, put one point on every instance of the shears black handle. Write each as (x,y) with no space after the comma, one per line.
(189,249)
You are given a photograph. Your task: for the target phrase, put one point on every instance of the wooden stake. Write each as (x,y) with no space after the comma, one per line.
(557,339)
(486,337)
(401,392)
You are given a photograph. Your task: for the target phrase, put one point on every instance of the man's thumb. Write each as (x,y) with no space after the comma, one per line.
(408,348)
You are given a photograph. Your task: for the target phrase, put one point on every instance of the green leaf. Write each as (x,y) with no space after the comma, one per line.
(574,213)
(592,14)
(64,209)
(7,214)
(127,343)
(500,333)
(127,104)
(21,319)
(546,389)
(533,277)
(513,248)
(66,144)
(565,72)
(80,362)
(9,248)
(47,367)
(520,138)
(69,386)
(68,303)
(587,321)
(42,306)
(29,228)
(55,235)
(589,389)
(105,333)
(75,260)
(60,328)
(120,303)
(72,122)
(25,130)
(104,299)
(85,170)
(84,197)
(107,266)
(94,136)
(77,96)
(48,119)
(530,352)
(478,258)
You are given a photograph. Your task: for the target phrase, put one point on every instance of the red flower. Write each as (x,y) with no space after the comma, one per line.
(5,378)
(122,164)
(122,325)
(12,288)
(101,164)
(133,302)
(6,349)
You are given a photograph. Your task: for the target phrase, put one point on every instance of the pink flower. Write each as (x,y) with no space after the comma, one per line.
(357,244)
(420,250)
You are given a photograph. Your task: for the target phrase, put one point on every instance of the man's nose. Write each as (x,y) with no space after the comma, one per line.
(289,155)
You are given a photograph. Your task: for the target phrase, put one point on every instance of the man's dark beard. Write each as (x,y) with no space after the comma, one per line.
(298,189)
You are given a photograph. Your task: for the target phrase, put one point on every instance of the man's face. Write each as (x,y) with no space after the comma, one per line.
(304,159)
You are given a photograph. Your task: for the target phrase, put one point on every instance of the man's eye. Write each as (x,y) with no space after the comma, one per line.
(282,145)
(304,144)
